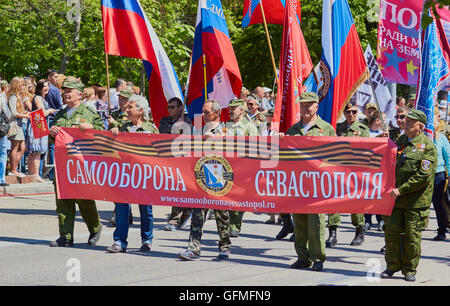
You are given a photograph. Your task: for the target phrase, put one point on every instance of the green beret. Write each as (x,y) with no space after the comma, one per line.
(308,97)
(237,102)
(126,93)
(71,82)
(417,115)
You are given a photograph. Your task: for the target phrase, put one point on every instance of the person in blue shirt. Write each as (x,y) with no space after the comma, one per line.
(443,150)
(54,101)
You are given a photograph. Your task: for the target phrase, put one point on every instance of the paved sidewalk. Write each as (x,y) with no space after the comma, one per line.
(29,223)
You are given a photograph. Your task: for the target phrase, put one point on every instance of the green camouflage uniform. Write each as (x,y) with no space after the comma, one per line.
(198,220)
(119,117)
(394,133)
(146,127)
(242,128)
(357,129)
(66,208)
(257,119)
(414,178)
(309,229)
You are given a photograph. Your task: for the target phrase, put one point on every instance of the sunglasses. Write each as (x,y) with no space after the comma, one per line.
(171,107)
(400,116)
(354,112)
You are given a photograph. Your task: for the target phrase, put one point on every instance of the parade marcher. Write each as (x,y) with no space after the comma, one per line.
(414,180)
(213,127)
(442,170)
(119,85)
(309,229)
(175,123)
(369,109)
(138,122)
(238,126)
(351,127)
(255,116)
(76,114)
(400,117)
(116,119)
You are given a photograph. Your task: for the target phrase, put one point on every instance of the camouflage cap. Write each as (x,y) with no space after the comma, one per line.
(417,115)
(270,112)
(237,102)
(308,97)
(412,97)
(371,104)
(126,93)
(4,83)
(72,82)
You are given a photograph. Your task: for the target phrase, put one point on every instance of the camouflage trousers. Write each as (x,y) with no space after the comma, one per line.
(403,237)
(197,222)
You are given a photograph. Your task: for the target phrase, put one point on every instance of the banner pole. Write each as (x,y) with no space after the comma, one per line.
(204,77)
(107,81)
(268,41)
(378,104)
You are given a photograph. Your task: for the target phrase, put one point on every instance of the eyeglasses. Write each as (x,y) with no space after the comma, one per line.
(354,112)
(171,107)
(400,116)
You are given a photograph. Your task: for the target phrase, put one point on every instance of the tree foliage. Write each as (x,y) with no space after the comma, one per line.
(41,34)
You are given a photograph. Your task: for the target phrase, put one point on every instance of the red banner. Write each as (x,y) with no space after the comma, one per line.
(38,124)
(295,174)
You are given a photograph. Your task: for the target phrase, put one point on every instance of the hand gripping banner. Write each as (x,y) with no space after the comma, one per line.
(294,174)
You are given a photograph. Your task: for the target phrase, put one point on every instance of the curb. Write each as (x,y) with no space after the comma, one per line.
(45,187)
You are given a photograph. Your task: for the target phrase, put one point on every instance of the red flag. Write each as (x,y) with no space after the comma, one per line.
(273,12)
(295,66)
(38,124)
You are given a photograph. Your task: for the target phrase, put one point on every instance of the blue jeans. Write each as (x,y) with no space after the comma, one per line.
(3,157)
(51,160)
(122,224)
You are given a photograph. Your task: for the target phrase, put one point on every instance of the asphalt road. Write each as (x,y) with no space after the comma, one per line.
(29,223)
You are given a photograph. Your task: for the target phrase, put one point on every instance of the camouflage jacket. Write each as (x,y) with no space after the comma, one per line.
(241,128)
(146,127)
(414,171)
(119,117)
(357,129)
(319,128)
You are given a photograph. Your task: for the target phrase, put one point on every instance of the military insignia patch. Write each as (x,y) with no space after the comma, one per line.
(214,175)
(425,164)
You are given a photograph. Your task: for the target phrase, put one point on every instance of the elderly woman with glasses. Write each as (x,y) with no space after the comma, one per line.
(138,116)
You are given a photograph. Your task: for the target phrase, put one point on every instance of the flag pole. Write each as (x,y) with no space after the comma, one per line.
(268,41)
(204,76)
(107,81)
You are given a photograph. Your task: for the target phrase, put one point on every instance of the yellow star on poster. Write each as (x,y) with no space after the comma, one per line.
(380,67)
(411,68)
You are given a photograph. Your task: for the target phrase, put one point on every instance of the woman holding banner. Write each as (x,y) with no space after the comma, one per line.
(38,146)
(138,116)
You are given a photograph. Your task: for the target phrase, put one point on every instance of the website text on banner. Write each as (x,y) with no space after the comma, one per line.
(306,175)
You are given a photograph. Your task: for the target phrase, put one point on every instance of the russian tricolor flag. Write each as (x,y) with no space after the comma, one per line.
(212,43)
(128,32)
(343,66)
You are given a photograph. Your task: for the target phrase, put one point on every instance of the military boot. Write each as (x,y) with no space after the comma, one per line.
(332,239)
(288,227)
(359,236)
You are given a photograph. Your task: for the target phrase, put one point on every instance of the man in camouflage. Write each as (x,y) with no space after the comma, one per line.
(309,229)
(119,116)
(238,126)
(351,127)
(213,127)
(76,114)
(414,181)
(253,113)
